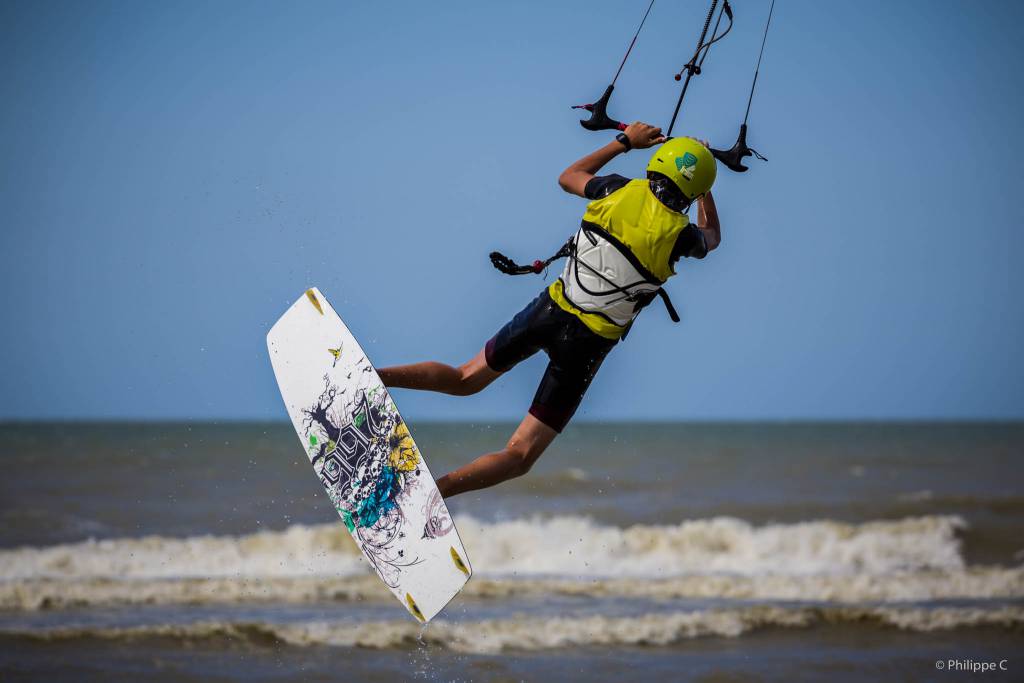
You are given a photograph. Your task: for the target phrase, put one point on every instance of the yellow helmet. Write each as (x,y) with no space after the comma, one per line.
(687,163)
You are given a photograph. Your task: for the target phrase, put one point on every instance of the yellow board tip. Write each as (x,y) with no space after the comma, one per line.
(414,608)
(311,295)
(459,564)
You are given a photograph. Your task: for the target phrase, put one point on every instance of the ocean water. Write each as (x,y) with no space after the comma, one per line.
(710,552)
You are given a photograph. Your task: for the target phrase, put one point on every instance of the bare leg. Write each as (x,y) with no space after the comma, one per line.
(527,444)
(468,378)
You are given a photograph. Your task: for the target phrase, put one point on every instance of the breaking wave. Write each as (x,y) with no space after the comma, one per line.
(560,546)
(911,559)
(499,635)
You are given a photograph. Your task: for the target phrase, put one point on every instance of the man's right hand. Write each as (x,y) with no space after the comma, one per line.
(575,178)
(643,135)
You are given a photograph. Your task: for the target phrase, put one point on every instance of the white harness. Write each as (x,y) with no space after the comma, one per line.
(603,276)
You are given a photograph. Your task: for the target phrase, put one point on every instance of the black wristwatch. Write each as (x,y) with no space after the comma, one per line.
(624,139)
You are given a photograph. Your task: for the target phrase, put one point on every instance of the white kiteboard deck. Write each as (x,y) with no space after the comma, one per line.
(365,457)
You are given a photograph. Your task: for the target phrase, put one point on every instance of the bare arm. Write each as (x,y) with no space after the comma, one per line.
(707,221)
(575,178)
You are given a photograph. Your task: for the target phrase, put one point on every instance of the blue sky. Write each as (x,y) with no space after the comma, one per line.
(175,174)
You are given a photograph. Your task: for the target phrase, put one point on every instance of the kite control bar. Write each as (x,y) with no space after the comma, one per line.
(732,158)
(599,119)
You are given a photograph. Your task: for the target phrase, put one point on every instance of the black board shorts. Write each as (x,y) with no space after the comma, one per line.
(575,354)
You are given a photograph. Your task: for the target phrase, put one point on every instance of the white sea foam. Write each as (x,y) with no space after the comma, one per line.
(540,633)
(321,550)
(576,546)
(902,560)
(560,546)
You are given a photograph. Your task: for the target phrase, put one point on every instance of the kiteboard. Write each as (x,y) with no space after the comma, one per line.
(365,457)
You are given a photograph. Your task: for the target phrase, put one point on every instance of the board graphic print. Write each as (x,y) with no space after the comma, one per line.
(365,457)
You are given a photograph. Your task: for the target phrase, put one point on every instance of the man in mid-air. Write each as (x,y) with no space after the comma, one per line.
(631,236)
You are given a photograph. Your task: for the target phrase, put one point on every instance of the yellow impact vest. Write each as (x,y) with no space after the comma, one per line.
(621,257)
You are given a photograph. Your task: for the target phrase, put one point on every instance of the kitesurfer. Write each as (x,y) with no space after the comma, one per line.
(631,236)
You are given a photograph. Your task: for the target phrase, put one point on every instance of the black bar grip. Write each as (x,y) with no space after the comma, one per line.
(599,119)
(733,158)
